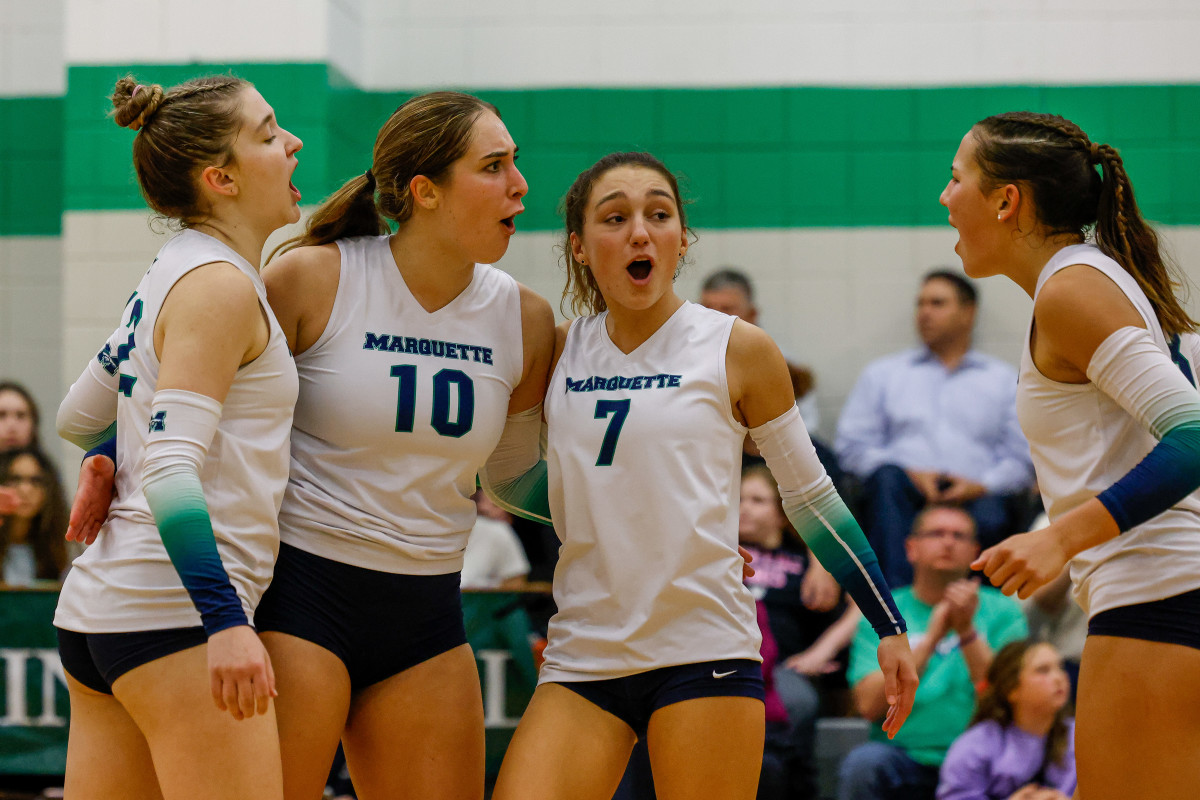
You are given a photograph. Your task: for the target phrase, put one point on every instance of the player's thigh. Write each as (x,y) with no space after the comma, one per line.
(419,733)
(107,756)
(707,747)
(1138,720)
(199,750)
(311,711)
(565,748)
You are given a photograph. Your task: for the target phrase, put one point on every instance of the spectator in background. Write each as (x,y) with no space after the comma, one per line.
(1021,743)
(494,558)
(935,424)
(18,417)
(954,625)
(730,291)
(810,626)
(776,781)
(31,532)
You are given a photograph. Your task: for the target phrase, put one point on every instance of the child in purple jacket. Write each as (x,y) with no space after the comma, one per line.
(1021,743)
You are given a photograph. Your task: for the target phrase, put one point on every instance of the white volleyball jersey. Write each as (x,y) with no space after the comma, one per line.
(1082,442)
(125,581)
(644,461)
(399,408)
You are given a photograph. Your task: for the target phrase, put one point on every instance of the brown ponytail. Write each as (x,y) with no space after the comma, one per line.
(1054,158)
(424,136)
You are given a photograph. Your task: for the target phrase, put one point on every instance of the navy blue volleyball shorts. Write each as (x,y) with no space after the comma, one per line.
(97,659)
(378,623)
(1174,620)
(634,698)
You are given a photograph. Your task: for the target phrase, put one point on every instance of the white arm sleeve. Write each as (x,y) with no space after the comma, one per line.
(88,413)
(514,476)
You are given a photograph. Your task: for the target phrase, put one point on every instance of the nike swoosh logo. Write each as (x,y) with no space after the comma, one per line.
(719,675)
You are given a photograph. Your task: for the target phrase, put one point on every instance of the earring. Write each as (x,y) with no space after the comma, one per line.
(999,216)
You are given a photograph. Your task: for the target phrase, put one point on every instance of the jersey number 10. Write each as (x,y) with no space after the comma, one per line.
(406,401)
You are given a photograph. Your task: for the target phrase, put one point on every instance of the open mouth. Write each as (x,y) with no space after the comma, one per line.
(640,270)
(295,191)
(509,224)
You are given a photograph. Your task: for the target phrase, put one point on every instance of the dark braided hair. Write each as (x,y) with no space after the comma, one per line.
(1056,160)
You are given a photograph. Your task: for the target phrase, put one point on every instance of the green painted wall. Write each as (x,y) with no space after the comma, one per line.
(804,157)
(99,171)
(31,177)
(757,157)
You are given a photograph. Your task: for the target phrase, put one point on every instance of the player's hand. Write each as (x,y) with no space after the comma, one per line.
(240,672)
(899,680)
(8,501)
(819,591)
(1023,563)
(92,499)
(747,557)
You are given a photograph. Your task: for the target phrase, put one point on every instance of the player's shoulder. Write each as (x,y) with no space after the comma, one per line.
(299,261)
(304,272)
(534,307)
(749,342)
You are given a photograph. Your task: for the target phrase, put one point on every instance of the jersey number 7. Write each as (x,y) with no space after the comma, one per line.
(619,409)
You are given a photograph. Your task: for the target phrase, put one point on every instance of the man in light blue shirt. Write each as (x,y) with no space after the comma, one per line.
(936,424)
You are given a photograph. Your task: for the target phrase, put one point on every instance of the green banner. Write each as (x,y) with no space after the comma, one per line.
(33,727)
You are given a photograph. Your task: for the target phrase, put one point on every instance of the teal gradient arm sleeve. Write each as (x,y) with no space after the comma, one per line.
(1157,390)
(816,510)
(514,476)
(182,426)
(835,538)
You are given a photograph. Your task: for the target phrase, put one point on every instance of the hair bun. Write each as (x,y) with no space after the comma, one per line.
(134,103)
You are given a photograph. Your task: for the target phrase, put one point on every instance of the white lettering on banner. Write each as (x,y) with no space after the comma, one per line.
(16,708)
(494,689)
(16,679)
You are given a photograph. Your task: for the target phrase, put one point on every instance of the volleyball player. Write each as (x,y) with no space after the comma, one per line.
(1107,399)
(647,407)
(412,353)
(154,619)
